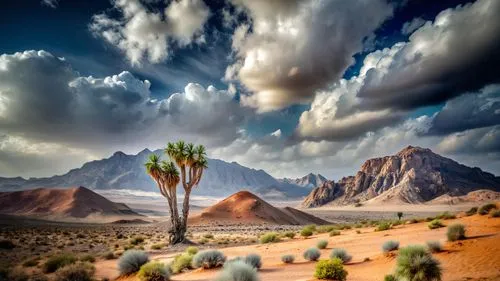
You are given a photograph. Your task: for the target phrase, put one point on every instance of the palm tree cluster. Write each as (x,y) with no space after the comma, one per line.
(190,160)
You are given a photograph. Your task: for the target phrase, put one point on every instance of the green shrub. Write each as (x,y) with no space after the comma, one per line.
(30,263)
(288,258)
(341,254)
(485,209)
(383,226)
(137,240)
(131,261)
(456,232)
(153,271)
(192,250)
(325,228)
(158,246)
(306,232)
(330,269)
(495,213)
(289,234)
(208,259)
(471,211)
(435,224)
(270,237)
(254,260)
(76,272)
(311,227)
(434,246)
(334,233)
(312,254)
(181,262)
(87,258)
(390,246)
(238,271)
(322,244)
(7,245)
(416,264)
(400,215)
(109,256)
(446,216)
(389,277)
(58,261)
(208,236)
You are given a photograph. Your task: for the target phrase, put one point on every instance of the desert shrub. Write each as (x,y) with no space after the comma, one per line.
(254,260)
(311,227)
(456,232)
(30,263)
(39,277)
(330,269)
(325,228)
(334,233)
(390,246)
(87,258)
(416,264)
(312,254)
(153,271)
(238,271)
(495,214)
(181,262)
(412,221)
(485,209)
(434,246)
(400,215)
(157,246)
(192,250)
(383,226)
(18,275)
(289,234)
(471,211)
(137,240)
(306,232)
(109,255)
(322,244)
(270,237)
(287,258)
(7,245)
(389,277)
(131,261)
(341,254)
(435,224)
(358,205)
(76,272)
(58,261)
(445,216)
(208,259)
(208,236)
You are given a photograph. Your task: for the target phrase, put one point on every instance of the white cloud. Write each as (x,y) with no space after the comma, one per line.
(143,34)
(50,3)
(410,26)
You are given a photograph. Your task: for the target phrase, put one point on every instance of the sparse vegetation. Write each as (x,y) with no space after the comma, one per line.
(389,277)
(435,224)
(330,269)
(289,234)
(254,260)
(383,226)
(415,263)
(87,258)
(456,232)
(181,262)
(158,246)
(390,246)
(288,258)
(238,271)
(312,254)
(306,232)
(446,216)
(341,254)
(334,233)
(58,261)
(434,246)
(270,237)
(325,228)
(76,272)
(131,261)
(471,211)
(192,250)
(208,259)
(485,209)
(322,244)
(153,271)
(495,213)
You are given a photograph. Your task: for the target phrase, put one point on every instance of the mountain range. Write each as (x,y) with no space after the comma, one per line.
(414,175)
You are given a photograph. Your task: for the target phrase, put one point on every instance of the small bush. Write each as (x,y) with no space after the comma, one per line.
(389,277)
(30,263)
(76,272)
(238,271)
(495,214)
(87,258)
(7,245)
(390,246)
(434,246)
(109,256)
(485,209)
(311,227)
(334,233)
(435,224)
(383,226)
(158,246)
(192,250)
(306,232)
(325,228)
(154,271)
(208,259)
(471,211)
(330,269)
(131,261)
(312,254)
(58,261)
(181,262)
(456,232)
(288,258)
(446,216)
(289,234)
(416,264)
(254,260)
(341,254)
(208,236)
(137,240)
(322,244)
(270,237)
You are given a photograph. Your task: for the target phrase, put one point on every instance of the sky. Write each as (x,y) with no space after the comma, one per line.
(287,86)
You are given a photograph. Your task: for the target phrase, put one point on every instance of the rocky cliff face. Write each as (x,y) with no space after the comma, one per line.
(413,175)
(310,180)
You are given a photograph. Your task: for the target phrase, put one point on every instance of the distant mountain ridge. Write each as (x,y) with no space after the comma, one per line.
(310,180)
(414,175)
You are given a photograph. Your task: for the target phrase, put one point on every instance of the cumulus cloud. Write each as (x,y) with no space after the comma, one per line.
(482,140)
(410,26)
(290,49)
(144,34)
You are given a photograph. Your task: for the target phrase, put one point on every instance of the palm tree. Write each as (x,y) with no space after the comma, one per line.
(191,161)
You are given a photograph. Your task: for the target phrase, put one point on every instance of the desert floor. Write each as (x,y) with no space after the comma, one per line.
(476,258)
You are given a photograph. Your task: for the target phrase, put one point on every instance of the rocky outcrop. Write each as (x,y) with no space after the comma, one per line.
(413,175)
(310,180)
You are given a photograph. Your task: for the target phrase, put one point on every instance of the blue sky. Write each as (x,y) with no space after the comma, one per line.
(331,103)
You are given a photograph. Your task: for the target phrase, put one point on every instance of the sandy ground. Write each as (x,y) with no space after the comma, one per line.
(476,258)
